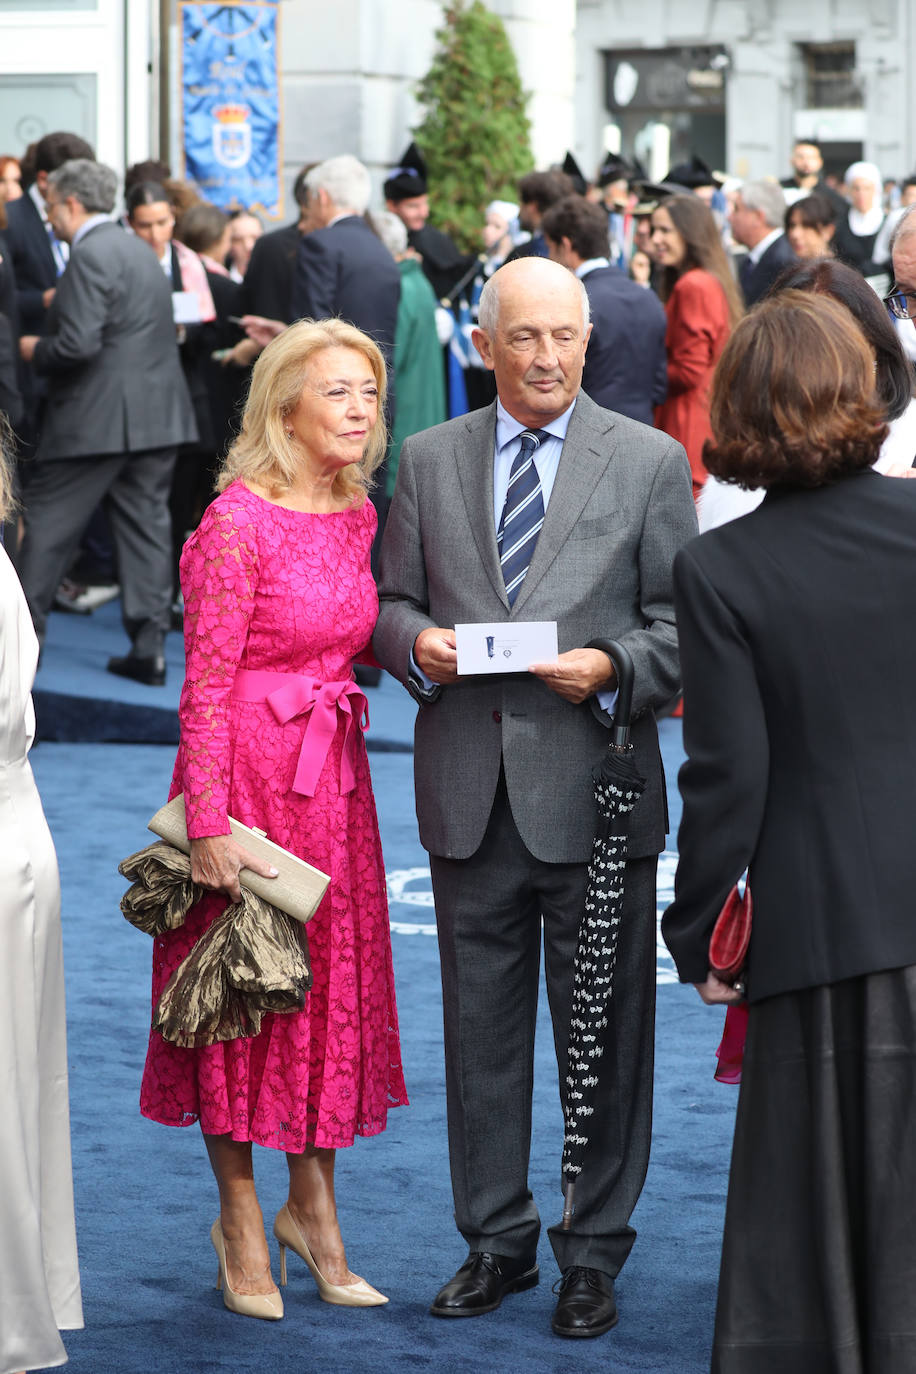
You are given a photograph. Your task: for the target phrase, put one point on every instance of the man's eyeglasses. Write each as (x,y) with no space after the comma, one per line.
(901,304)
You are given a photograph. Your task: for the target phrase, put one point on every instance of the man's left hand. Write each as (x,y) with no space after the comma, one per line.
(577,674)
(27,347)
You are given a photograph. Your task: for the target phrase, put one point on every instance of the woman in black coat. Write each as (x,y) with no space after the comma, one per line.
(799,659)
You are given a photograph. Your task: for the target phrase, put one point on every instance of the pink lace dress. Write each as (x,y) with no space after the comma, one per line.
(271,592)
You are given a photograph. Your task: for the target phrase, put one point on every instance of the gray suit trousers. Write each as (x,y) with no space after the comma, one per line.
(489,910)
(61,497)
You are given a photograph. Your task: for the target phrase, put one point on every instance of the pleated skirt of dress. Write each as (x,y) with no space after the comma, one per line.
(819,1255)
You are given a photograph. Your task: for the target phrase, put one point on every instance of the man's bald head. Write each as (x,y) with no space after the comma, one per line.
(526,274)
(533,334)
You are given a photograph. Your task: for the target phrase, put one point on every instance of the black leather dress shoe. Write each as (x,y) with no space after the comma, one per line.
(586,1305)
(150,671)
(482,1282)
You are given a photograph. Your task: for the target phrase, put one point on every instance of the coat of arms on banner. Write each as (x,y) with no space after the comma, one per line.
(232,135)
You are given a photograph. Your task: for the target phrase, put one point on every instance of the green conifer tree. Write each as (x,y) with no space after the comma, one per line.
(475,135)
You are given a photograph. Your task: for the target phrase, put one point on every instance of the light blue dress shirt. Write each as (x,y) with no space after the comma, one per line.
(546,460)
(508,444)
(88,224)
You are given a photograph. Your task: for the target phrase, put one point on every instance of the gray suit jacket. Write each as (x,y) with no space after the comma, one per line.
(110,355)
(621,507)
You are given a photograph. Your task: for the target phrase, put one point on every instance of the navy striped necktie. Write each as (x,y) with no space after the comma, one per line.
(523,514)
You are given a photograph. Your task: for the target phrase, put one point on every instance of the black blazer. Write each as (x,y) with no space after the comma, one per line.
(798,655)
(226,386)
(346,270)
(626,366)
(268,286)
(757,278)
(33,262)
(10,394)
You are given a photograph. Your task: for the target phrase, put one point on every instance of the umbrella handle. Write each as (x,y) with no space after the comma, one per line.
(623,663)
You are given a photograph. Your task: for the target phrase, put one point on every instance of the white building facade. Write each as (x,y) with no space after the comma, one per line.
(738,80)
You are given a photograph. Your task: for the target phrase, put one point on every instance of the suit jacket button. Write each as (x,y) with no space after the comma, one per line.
(497,716)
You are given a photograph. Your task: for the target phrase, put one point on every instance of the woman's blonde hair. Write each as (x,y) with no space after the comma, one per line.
(263,451)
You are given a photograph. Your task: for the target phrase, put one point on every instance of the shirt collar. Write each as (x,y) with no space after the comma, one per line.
(38,201)
(84,228)
(590,264)
(508,428)
(760,248)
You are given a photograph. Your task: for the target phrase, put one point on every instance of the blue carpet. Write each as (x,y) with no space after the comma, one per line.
(78,702)
(145,1198)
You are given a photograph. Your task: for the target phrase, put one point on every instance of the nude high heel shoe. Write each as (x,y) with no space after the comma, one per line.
(266,1305)
(358,1294)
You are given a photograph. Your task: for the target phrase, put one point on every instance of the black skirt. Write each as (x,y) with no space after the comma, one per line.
(819,1255)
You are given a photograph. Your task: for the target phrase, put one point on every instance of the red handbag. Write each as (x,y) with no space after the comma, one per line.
(731,934)
(728,946)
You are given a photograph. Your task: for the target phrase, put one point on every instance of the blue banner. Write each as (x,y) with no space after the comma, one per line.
(231,103)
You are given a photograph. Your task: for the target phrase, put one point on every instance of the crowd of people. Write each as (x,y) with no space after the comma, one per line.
(325,446)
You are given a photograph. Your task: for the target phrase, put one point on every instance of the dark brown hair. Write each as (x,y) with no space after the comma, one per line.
(582,222)
(814,212)
(695,223)
(55,149)
(893,371)
(150,171)
(793,396)
(545,188)
(201,227)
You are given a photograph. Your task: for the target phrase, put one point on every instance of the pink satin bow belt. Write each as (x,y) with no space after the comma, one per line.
(295,694)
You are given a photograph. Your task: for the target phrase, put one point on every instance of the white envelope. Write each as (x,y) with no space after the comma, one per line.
(185,307)
(505,648)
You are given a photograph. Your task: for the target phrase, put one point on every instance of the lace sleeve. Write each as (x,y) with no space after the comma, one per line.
(219,573)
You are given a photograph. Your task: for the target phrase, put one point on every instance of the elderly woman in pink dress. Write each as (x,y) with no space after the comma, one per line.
(279,603)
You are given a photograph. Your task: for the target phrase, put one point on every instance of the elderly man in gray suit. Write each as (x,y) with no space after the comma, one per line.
(584,534)
(118,407)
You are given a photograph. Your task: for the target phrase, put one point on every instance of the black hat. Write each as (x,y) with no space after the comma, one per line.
(574,172)
(614,168)
(693,174)
(409,179)
(652,193)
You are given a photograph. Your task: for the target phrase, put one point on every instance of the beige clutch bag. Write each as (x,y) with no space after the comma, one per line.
(297,888)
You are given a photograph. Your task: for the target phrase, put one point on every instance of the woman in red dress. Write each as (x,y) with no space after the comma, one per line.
(703,305)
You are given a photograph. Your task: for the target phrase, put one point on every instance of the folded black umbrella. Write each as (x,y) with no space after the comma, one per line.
(252,959)
(618,787)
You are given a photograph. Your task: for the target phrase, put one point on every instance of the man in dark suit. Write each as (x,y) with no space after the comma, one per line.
(118,408)
(756,220)
(38,257)
(626,366)
(504,763)
(267,289)
(343,268)
(38,254)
